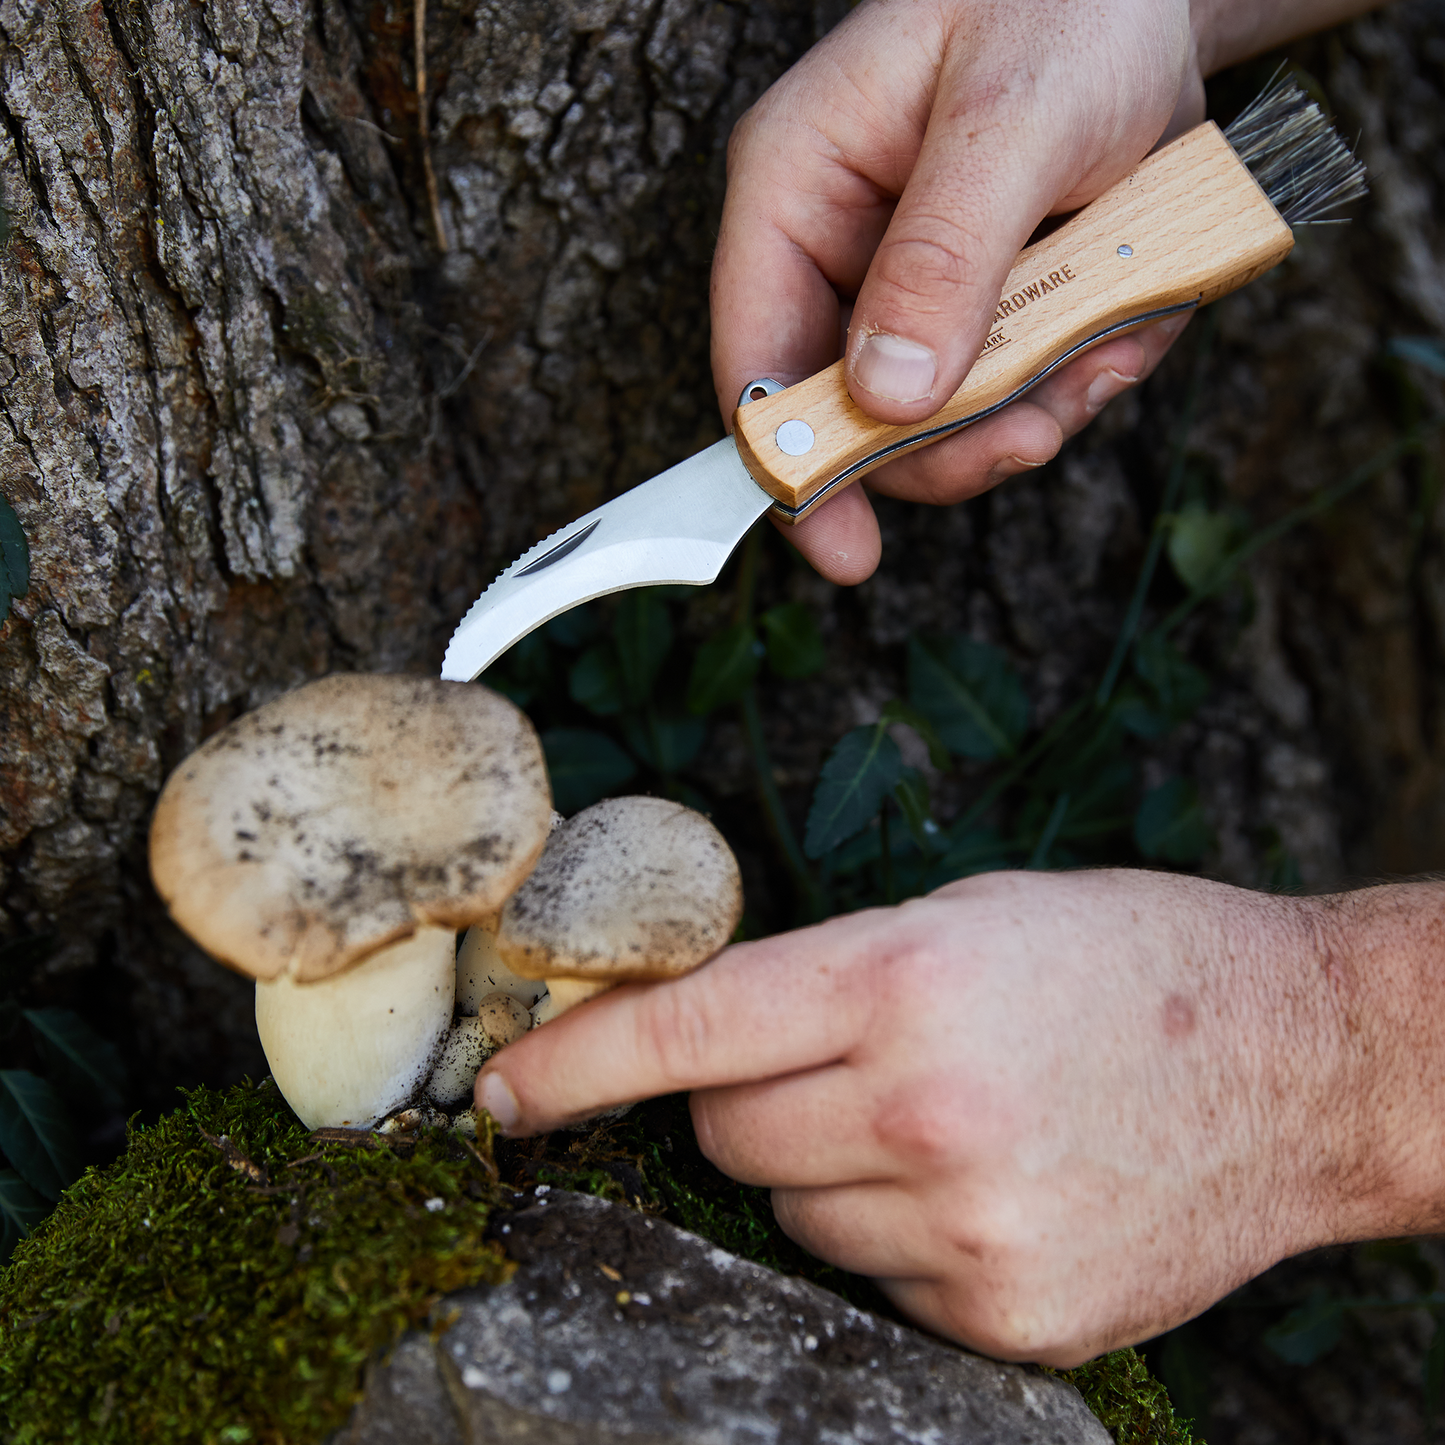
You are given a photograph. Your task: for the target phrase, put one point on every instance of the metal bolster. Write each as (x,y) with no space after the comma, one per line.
(935,433)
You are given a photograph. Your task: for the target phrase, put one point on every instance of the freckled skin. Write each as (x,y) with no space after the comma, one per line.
(1052,1113)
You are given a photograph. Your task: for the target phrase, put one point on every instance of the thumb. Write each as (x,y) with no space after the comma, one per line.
(977,191)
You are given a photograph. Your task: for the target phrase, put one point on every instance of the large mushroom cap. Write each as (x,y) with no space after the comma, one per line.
(345,815)
(631,888)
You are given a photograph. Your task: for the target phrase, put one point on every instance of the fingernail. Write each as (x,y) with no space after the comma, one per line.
(1105,387)
(894,369)
(499,1101)
(1006,467)
(1175,324)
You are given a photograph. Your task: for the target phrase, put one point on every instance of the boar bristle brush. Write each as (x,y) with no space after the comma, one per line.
(1200,217)
(1304,168)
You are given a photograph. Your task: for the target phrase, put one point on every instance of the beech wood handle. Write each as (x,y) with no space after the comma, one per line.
(1189,224)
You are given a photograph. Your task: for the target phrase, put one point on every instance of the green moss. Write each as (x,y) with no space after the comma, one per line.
(226,1280)
(231,1290)
(1130,1402)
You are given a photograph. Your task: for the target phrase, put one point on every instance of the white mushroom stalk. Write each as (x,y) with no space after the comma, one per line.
(629,889)
(348,1050)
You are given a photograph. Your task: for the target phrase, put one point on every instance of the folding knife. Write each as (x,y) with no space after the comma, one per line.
(1186,226)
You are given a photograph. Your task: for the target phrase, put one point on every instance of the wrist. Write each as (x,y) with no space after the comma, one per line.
(1228,31)
(1381,961)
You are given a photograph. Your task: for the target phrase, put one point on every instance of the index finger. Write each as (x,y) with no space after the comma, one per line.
(758,1010)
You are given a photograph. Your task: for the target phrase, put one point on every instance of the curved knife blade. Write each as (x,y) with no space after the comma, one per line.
(681,526)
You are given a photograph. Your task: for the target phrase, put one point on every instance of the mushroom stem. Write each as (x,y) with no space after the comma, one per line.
(347,1050)
(565,993)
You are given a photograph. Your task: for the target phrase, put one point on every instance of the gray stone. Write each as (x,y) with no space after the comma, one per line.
(620,1328)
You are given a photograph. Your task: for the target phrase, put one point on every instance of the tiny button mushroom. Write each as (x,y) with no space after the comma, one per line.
(628,889)
(499,1021)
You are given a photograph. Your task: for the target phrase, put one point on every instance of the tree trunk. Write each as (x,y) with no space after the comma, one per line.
(287,374)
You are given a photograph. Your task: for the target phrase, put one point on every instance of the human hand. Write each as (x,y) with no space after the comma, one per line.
(1050,1113)
(904,161)
(887,182)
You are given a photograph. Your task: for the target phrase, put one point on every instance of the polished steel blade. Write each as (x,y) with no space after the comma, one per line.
(679,527)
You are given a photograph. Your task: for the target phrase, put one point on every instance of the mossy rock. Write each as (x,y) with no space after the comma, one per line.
(228,1278)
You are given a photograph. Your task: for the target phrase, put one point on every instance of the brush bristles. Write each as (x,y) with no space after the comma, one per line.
(1305,169)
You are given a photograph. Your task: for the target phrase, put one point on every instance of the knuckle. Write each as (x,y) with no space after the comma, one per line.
(918,1131)
(931,260)
(675,1036)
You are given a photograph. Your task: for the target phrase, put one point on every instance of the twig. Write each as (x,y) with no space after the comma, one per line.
(1166,508)
(488,1167)
(777,816)
(433,199)
(235,1158)
(1050,835)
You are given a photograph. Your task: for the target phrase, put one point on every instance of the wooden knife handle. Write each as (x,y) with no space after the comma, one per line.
(1189,224)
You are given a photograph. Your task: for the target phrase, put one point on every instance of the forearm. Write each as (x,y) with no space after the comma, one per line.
(1228,31)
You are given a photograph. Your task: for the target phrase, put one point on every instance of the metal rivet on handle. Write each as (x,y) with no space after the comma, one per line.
(1126,251)
(794,437)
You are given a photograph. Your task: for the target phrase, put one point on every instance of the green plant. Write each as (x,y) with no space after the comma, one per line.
(14,553)
(38,1139)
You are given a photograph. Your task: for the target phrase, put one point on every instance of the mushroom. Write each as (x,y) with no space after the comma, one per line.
(345,815)
(330,844)
(480,971)
(631,888)
(349,1050)
(499,1021)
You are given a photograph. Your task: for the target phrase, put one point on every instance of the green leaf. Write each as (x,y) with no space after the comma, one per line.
(795,645)
(1171,825)
(1426,351)
(595,681)
(1198,540)
(665,744)
(1178,686)
(723,669)
(21,1209)
(642,634)
(14,558)
(35,1132)
(981,851)
(911,794)
(858,775)
(522,670)
(1435,1371)
(971,694)
(1308,1333)
(574,628)
(87,1068)
(897,711)
(584,766)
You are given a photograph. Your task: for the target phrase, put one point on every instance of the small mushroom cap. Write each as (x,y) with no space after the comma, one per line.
(630,888)
(500,1021)
(346,814)
(346,1051)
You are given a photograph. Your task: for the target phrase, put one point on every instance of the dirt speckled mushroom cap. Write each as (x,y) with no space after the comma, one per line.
(631,888)
(345,815)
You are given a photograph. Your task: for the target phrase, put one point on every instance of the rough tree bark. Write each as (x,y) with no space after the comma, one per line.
(271,407)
